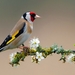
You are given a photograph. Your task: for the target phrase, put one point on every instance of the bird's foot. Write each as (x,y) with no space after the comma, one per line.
(25,49)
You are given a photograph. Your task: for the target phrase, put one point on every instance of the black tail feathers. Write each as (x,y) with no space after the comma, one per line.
(1,49)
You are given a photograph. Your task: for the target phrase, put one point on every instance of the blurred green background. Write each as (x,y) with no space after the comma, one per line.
(57,25)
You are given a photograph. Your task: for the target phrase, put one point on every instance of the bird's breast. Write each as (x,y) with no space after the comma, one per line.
(29,29)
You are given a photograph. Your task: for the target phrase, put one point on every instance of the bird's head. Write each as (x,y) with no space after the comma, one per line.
(30,16)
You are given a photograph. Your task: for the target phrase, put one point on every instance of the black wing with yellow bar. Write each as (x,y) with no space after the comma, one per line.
(9,38)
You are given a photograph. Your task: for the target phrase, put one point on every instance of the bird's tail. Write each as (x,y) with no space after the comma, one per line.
(1,49)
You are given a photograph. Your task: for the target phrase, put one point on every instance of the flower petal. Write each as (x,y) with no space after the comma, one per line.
(39,59)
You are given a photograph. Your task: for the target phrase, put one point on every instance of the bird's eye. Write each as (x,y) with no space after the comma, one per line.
(33,15)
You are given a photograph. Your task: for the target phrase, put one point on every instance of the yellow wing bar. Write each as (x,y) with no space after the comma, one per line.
(13,37)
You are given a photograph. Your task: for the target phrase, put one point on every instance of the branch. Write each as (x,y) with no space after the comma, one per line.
(38,53)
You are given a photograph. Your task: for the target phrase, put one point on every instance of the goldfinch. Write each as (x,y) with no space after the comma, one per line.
(20,33)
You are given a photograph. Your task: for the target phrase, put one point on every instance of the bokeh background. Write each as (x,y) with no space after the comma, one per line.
(57,25)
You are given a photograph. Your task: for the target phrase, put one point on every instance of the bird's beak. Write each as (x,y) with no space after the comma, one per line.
(37,16)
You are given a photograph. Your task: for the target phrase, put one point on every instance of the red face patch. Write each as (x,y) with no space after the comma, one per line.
(32,14)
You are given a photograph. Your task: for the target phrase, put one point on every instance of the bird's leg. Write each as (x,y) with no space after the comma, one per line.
(23,46)
(25,49)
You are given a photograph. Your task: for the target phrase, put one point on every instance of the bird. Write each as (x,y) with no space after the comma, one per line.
(20,32)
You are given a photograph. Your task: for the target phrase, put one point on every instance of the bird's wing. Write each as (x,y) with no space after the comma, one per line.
(19,28)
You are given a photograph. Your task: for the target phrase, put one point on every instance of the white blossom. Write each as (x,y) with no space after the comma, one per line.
(12,56)
(32,58)
(71,58)
(34,43)
(39,56)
